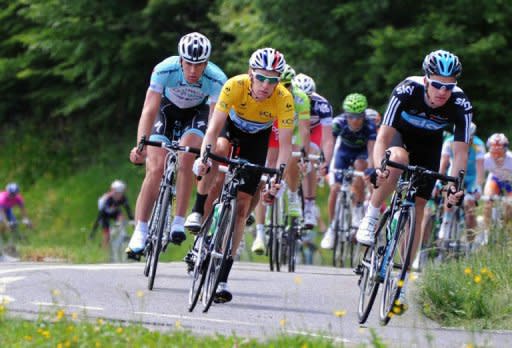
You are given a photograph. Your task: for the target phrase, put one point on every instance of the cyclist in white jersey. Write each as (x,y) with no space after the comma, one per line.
(498,162)
(180,99)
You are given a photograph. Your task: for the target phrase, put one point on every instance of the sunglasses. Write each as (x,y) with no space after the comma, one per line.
(355,116)
(262,78)
(438,84)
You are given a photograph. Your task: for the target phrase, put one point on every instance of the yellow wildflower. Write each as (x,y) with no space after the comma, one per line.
(100,321)
(67,344)
(59,345)
(74,316)
(484,270)
(178,324)
(340,313)
(60,314)
(98,344)
(75,339)
(119,330)
(282,322)
(477,279)
(467,271)
(2,309)
(297,280)
(140,293)
(28,338)
(46,333)
(55,292)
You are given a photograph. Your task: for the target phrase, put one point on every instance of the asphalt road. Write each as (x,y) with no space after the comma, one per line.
(312,301)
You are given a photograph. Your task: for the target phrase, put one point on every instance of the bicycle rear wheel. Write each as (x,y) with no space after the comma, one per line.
(219,251)
(156,240)
(369,282)
(337,231)
(346,242)
(396,260)
(292,243)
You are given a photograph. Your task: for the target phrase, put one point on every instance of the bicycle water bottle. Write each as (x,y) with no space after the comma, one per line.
(215,218)
(394,223)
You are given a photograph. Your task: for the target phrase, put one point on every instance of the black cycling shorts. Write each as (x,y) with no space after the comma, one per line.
(425,153)
(174,122)
(253,148)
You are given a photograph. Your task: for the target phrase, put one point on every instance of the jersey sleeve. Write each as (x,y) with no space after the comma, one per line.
(286,110)
(337,125)
(372,131)
(218,79)
(463,117)
(302,105)
(395,104)
(158,79)
(227,96)
(325,113)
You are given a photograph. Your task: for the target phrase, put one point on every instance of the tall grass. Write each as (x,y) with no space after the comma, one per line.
(472,292)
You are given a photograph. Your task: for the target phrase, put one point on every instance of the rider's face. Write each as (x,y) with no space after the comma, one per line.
(193,72)
(438,96)
(263,83)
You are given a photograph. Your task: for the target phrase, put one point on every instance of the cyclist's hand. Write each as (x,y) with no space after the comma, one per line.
(305,167)
(137,157)
(453,197)
(199,168)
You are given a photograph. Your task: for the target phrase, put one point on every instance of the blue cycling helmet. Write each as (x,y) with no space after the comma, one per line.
(12,188)
(442,63)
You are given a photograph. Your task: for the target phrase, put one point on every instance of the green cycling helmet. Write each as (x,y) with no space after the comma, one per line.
(288,74)
(355,103)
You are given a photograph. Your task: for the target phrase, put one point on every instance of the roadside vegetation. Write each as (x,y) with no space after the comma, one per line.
(472,292)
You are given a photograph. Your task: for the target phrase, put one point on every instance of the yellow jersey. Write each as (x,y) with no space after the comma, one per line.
(253,116)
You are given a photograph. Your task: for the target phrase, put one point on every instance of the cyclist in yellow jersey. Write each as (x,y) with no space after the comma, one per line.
(245,112)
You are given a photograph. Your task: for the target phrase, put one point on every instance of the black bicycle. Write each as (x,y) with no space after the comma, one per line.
(161,215)
(387,260)
(214,241)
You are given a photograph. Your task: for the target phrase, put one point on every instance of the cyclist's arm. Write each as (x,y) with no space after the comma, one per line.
(327,142)
(384,138)
(285,146)
(215,125)
(460,157)
(304,130)
(149,113)
(445,162)
(212,108)
(370,146)
(480,172)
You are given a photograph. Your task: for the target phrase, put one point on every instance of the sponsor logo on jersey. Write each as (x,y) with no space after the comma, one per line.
(464,103)
(422,122)
(405,89)
(323,107)
(266,114)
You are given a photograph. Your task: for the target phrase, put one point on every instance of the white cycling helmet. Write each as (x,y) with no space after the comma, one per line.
(305,83)
(194,48)
(267,59)
(118,186)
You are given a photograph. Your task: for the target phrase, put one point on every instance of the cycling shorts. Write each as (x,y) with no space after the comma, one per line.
(316,137)
(9,214)
(343,159)
(104,218)
(252,147)
(499,186)
(174,122)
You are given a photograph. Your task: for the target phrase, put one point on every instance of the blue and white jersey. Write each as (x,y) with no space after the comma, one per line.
(476,152)
(168,79)
(409,113)
(321,111)
(354,140)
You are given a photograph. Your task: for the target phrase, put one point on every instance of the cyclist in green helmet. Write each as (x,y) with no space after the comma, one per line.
(355,137)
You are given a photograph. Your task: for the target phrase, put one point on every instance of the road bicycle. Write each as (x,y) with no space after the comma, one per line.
(387,261)
(161,215)
(345,250)
(214,241)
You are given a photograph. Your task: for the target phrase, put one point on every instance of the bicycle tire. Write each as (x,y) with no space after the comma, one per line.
(369,286)
(398,258)
(346,243)
(156,242)
(221,247)
(292,244)
(199,273)
(148,249)
(336,249)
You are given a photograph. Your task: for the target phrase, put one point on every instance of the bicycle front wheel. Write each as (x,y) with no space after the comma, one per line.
(156,239)
(219,251)
(368,281)
(397,258)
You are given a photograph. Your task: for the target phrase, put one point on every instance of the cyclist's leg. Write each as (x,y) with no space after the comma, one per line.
(491,189)
(292,178)
(366,231)
(148,193)
(258,245)
(310,181)
(358,189)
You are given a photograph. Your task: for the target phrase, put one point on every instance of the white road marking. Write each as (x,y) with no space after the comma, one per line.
(4,299)
(184,317)
(305,333)
(78,267)
(6,280)
(49,304)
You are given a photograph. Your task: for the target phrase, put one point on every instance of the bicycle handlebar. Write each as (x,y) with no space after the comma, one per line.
(172,146)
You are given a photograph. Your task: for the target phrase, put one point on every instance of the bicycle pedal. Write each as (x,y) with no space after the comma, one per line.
(133,256)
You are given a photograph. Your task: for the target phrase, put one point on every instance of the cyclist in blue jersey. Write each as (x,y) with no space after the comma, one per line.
(473,181)
(420,108)
(355,137)
(181,96)
(321,139)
